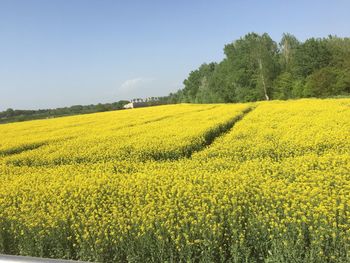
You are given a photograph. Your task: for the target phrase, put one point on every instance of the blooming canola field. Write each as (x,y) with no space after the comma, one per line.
(254,182)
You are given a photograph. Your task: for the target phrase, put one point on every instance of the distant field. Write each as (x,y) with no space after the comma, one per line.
(257,182)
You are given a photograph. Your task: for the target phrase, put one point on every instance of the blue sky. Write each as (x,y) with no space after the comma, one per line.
(64,52)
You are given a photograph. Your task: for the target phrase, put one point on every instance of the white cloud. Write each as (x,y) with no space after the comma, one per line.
(135,84)
(138,88)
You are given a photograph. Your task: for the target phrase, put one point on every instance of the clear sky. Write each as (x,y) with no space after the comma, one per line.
(64,52)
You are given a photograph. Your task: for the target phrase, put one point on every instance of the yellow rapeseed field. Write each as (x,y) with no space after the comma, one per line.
(178,183)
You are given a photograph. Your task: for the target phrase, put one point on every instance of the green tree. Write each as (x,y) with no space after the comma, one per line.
(310,56)
(254,61)
(222,82)
(288,46)
(328,81)
(283,86)
(9,112)
(195,81)
(340,50)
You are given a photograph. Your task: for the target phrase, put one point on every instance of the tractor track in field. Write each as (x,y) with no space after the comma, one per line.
(218,131)
(208,138)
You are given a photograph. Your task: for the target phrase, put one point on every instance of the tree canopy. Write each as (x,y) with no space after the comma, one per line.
(255,67)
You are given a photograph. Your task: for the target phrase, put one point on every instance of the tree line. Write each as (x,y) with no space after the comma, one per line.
(255,68)
(11,115)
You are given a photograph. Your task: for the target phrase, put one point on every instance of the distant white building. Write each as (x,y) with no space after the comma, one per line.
(132,105)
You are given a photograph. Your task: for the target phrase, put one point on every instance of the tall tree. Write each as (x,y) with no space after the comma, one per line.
(288,45)
(195,80)
(222,82)
(255,64)
(310,56)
